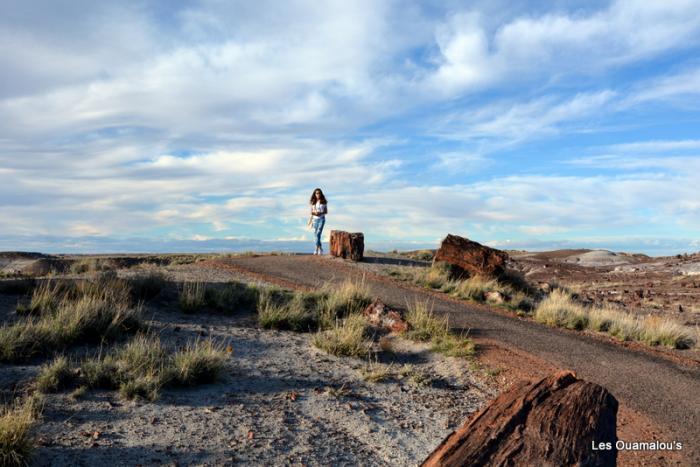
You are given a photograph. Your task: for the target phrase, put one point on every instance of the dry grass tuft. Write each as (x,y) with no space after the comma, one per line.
(88,312)
(147,286)
(144,366)
(305,311)
(293,312)
(192,297)
(375,372)
(16,441)
(55,376)
(198,363)
(345,339)
(560,309)
(425,326)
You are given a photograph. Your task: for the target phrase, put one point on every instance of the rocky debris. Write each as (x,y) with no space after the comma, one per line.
(468,258)
(554,421)
(380,315)
(347,245)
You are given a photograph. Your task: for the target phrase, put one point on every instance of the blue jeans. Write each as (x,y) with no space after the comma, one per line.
(318,224)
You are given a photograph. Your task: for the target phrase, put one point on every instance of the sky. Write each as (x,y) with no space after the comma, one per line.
(205,125)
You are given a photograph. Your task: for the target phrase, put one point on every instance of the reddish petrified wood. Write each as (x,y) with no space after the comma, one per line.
(468,258)
(347,245)
(380,315)
(552,422)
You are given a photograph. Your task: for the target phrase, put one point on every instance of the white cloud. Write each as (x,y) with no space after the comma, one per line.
(556,44)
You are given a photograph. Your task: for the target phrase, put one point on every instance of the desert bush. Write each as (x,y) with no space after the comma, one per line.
(16,442)
(347,338)
(56,375)
(100,313)
(192,297)
(147,286)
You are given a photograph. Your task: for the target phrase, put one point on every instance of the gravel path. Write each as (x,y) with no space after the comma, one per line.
(667,392)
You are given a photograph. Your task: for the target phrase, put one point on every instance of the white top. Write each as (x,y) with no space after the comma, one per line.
(320,209)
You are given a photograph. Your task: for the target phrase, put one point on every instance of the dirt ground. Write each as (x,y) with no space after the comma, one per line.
(280,402)
(283,402)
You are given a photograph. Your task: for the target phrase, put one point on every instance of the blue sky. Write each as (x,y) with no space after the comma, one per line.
(145,125)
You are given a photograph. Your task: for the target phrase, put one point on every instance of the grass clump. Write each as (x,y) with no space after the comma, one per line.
(560,309)
(192,297)
(232,297)
(345,339)
(292,312)
(375,372)
(305,311)
(55,376)
(662,331)
(228,298)
(347,299)
(147,286)
(198,363)
(144,366)
(16,442)
(424,326)
(89,313)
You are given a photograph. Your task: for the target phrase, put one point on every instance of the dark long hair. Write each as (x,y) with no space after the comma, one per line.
(313,197)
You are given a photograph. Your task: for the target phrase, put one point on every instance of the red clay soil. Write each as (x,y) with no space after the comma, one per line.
(659,398)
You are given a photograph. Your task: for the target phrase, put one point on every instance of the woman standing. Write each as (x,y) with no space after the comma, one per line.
(319,209)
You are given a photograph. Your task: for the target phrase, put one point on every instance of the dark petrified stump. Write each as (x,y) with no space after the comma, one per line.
(347,245)
(468,258)
(558,421)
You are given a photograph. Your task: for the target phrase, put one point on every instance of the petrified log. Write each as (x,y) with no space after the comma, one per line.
(347,245)
(380,315)
(468,258)
(558,421)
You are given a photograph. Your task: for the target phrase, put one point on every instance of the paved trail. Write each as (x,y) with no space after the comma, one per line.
(669,393)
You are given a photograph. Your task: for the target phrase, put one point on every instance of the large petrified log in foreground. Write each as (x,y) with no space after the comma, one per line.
(347,245)
(552,422)
(468,258)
